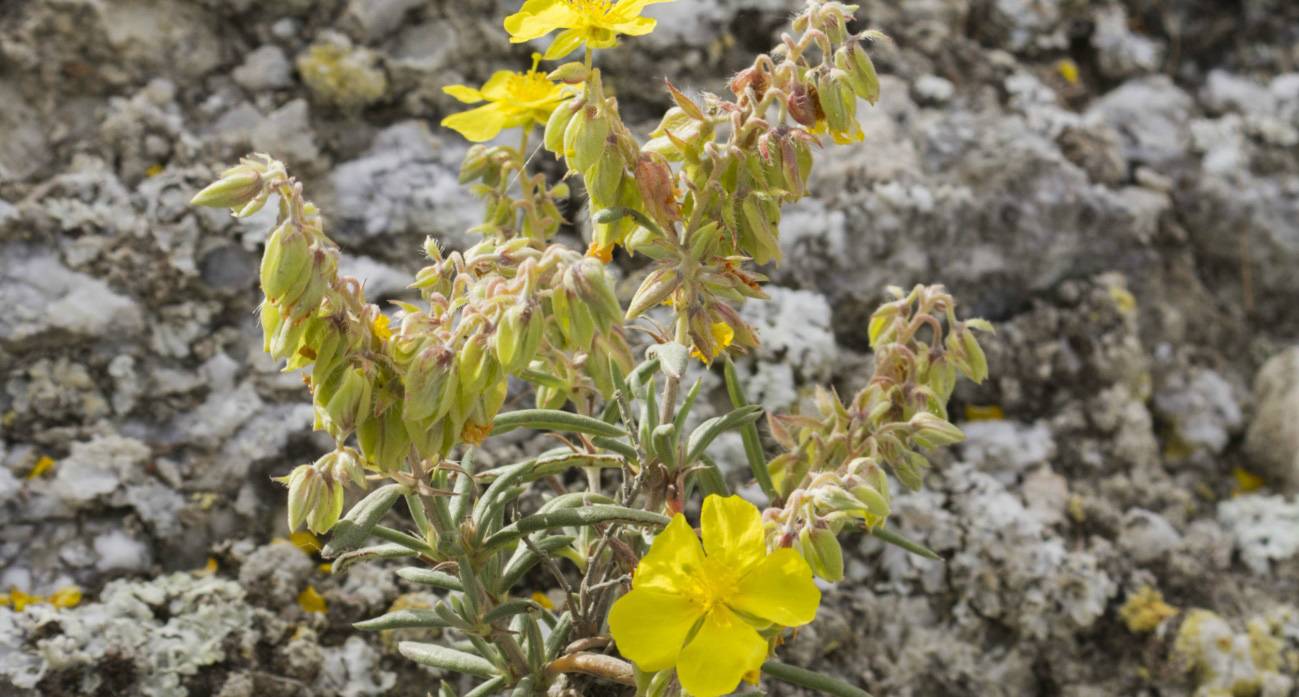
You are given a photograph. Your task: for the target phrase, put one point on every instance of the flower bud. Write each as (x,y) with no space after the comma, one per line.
(656,288)
(929,431)
(342,464)
(654,178)
(837,101)
(821,549)
(477,161)
(271,321)
(862,70)
(803,104)
(758,231)
(873,501)
(305,490)
(426,381)
(286,262)
(287,338)
(384,440)
(570,73)
(603,178)
(584,138)
(235,189)
(350,405)
(325,514)
(557,124)
(595,289)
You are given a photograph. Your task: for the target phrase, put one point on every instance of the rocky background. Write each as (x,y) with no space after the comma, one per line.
(1115,183)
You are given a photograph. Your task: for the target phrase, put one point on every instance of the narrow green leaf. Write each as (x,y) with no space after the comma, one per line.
(403,619)
(683,411)
(488,688)
(390,551)
(353,530)
(710,478)
(572,517)
(916,548)
(554,420)
(510,608)
(749,433)
(708,431)
(617,446)
(443,658)
(404,539)
(429,577)
(558,637)
(806,678)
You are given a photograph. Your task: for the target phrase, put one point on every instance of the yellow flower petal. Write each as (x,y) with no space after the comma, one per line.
(636,26)
(779,589)
(564,44)
(537,18)
(464,93)
(721,653)
(65,597)
(672,561)
(478,125)
(497,87)
(649,626)
(311,600)
(732,529)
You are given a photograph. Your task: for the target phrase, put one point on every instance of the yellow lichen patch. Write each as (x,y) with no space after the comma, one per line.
(65,597)
(1077,508)
(153,170)
(1123,300)
(326,568)
(1145,610)
(209,568)
(984,412)
(1067,70)
(342,75)
(542,599)
(1246,481)
(311,600)
(43,465)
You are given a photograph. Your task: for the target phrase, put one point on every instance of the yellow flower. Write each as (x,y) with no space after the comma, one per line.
(723,334)
(596,23)
(699,608)
(513,99)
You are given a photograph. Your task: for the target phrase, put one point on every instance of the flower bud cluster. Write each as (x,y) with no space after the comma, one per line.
(832,471)
(493,173)
(739,161)
(316,491)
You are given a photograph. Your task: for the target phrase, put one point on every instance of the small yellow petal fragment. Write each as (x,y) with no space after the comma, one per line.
(602,252)
(984,412)
(1145,610)
(326,568)
(723,334)
(21,600)
(1068,70)
(153,171)
(42,466)
(65,597)
(382,331)
(1246,481)
(542,599)
(210,567)
(305,541)
(311,600)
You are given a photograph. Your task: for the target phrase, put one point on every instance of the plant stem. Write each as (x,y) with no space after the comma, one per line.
(599,665)
(806,678)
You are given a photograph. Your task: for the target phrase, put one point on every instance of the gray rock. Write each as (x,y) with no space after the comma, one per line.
(46,299)
(265,68)
(1272,441)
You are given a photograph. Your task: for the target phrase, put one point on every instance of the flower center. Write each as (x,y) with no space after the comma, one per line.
(590,8)
(714,583)
(529,87)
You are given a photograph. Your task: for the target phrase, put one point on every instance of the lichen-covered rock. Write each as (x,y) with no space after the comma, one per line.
(1272,441)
